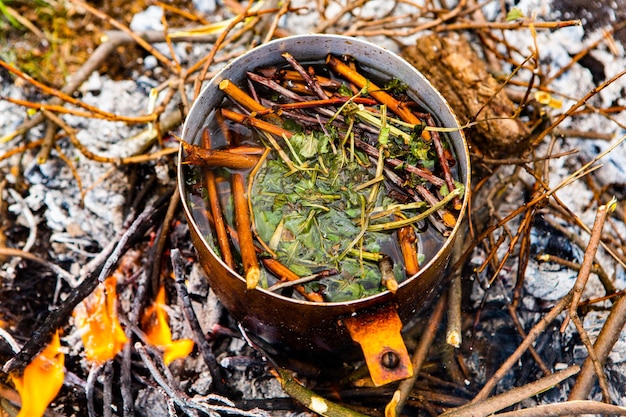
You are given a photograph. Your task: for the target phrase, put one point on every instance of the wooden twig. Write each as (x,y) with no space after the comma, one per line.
(311,400)
(400,109)
(292,75)
(590,253)
(396,163)
(69,99)
(568,408)
(249,103)
(247,250)
(216,371)
(217,158)
(579,286)
(283,273)
(513,396)
(408,246)
(216,210)
(309,80)
(419,357)
(607,338)
(387,276)
(581,102)
(139,40)
(273,85)
(453,332)
(257,123)
(533,334)
(443,162)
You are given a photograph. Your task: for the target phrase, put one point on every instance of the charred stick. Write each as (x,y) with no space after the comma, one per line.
(379,94)
(56,318)
(214,203)
(215,369)
(244,230)
(107,391)
(215,158)
(308,79)
(408,240)
(388,279)
(90,386)
(421,353)
(443,161)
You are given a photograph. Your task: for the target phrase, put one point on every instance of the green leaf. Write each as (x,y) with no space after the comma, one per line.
(514,14)
(345,91)
(396,86)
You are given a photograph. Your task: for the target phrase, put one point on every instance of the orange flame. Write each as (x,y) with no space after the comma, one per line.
(42,379)
(96,316)
(155,323)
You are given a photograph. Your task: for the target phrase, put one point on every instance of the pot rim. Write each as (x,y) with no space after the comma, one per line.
(460,146)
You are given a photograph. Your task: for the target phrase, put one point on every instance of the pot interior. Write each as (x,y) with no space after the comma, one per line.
(377,62)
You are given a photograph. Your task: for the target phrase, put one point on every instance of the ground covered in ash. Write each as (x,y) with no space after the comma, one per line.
(101,202)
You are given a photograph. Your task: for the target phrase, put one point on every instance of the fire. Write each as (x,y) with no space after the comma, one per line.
(42,379)
(157,329)
(103,336)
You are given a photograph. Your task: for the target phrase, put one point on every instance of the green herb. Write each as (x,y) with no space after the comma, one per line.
(396,86)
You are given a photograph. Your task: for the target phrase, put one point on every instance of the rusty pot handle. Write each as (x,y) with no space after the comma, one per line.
(378,333)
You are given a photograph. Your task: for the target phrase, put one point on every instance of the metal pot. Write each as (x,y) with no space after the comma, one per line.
(322,335)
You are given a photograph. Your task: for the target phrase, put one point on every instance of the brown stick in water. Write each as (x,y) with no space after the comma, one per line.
(341,68)
(215,158)
(407,240)
(214,203)
(249,259)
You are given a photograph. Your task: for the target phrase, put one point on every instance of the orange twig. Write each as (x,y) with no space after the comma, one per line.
(407,239)
(217,157)
(285,274)
(72,100)
(216,210)
(382,96)
(254,122)
(238,95)
(244,230)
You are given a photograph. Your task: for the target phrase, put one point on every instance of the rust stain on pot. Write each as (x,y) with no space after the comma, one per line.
(378,333)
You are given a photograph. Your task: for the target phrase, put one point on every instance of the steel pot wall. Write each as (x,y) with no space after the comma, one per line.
(292,330)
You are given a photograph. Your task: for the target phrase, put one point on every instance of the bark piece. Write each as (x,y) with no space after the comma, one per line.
(454,68)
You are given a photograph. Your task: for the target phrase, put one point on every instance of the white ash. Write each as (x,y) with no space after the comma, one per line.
(149,19)
(205,6)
